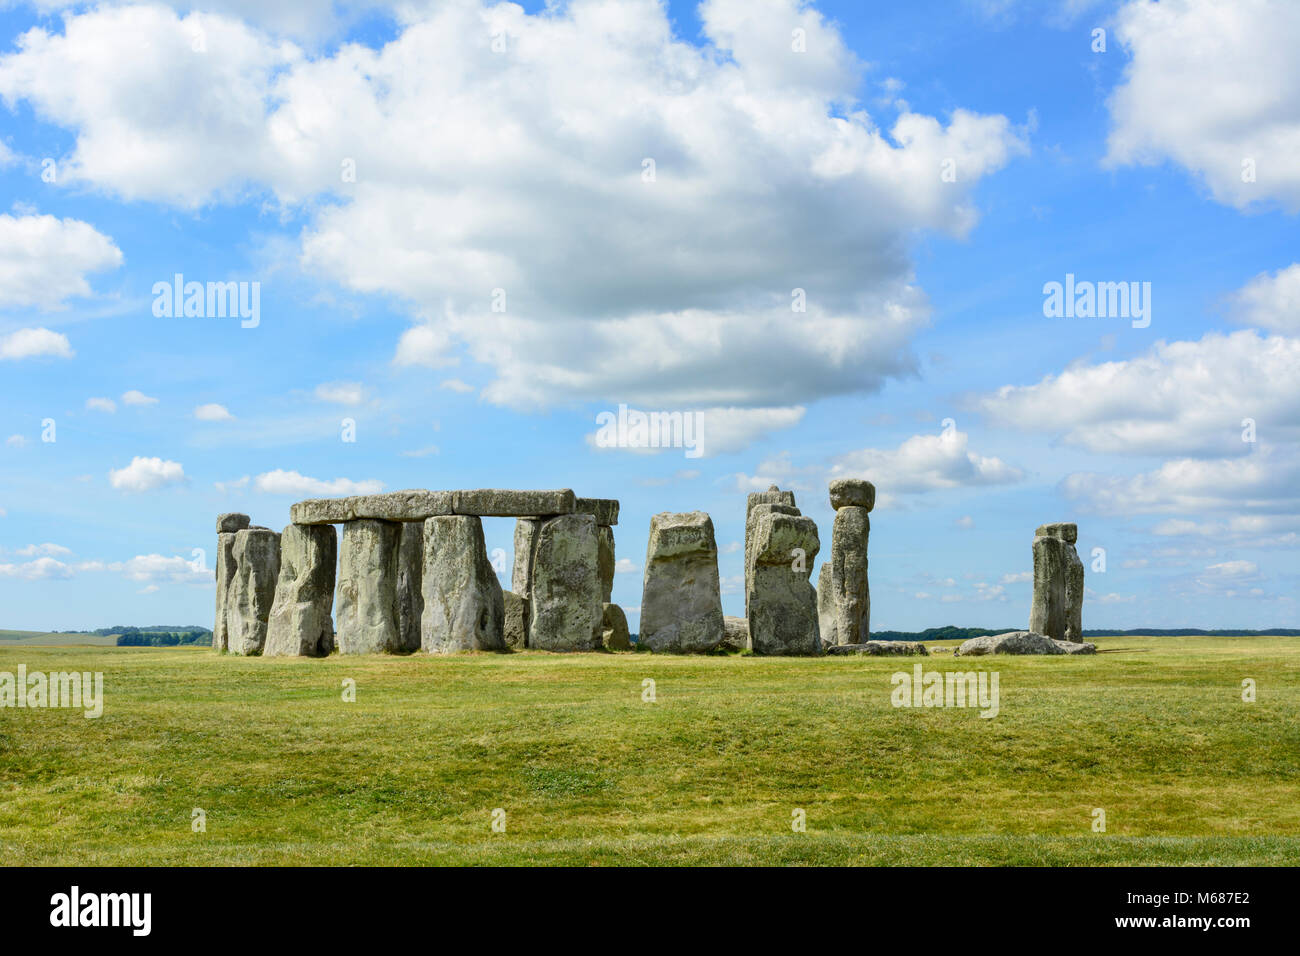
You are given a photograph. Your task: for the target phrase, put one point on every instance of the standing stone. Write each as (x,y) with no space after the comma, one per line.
(852,493)
(464,609)
(614,634)
(367,591)
(521,573)
(605,561)
(410,587)
(826,606)
(1047,613)
(251,593)
(225,577)
(1073,596)
(300,624)
(515,629)
(762,502)
(782,603)
(681,600)
(850,595)
(564,603)
(737,634)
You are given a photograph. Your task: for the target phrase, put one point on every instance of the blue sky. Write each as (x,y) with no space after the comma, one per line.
(213,140)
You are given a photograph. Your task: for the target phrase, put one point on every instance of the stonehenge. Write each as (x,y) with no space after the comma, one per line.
(843,591)
(411,573)
(1057,608)
(681,600)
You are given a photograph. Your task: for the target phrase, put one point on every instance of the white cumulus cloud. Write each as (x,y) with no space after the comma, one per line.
(44,260)
(146,474)
(281,482)
(34,343)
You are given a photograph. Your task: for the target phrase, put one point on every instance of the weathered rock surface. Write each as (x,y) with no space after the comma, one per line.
(464,607)
(515,629)
(300,624)
(231,522)
(849,600)
(565,607)
(681,599)
(501,503)
(251,593)
(1061,530)
(1073,596)
(225,577)
(605,510)
(521,572)
(614,634)
(414,504)
(410,586)
(852,493)
(1077,647)
(735,634)
(605,560)
(754,509)
(826,606)
(881,649)
(1012,642)
(1047,612)
(782,603)
(367,621)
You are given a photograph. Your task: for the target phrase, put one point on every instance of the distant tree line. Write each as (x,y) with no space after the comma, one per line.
(157,637)
(951,633)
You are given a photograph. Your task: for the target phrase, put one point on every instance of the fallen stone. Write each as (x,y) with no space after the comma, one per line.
(849,601)
(515,628)
(367,621)
(852,493)
(464,607)
(231,522)
(300,624)
(410,586)
(605,560)
(1077,647)
(605,510)
(565,609)
(1012,642)
(881,649)
(251,593)
(681,600)
(614,634)
(735,634)
(782,602)
(225,577)
(499,503)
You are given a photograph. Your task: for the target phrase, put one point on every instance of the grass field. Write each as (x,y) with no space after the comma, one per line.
(1153,731)
(13,638)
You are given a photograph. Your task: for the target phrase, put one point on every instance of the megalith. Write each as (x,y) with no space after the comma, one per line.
(464,608)
(515,628)
(521,572)
(843,591)
(300,624)
(227,526)
(367,621)
(410,586)
(681,600)
(251,593)
(782,603)
(565,607)
(783,500)
(1057,608)
(605,560)
(614,635)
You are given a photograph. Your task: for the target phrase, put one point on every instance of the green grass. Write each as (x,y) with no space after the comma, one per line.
(25,638)
(1154,731)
